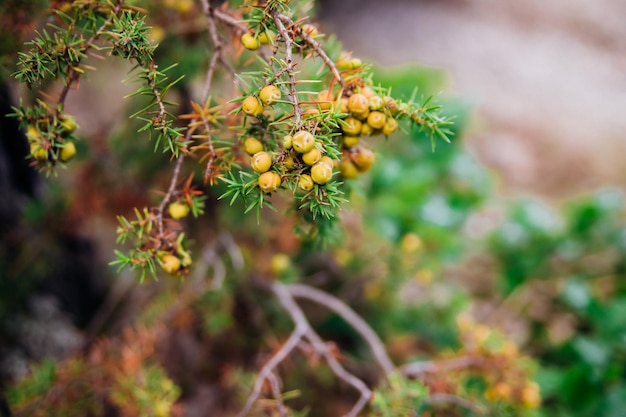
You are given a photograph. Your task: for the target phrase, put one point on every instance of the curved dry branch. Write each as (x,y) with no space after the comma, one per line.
(344,311)
(302,330)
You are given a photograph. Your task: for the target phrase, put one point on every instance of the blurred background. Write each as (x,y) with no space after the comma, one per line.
(547,80)
(519,223)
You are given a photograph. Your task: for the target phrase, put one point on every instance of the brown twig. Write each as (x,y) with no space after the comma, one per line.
(217,55)
(289,65)
(318,49)
(343,310)
(302,326)
(302,330)
(230,20)
(339,370)
(275,386)
(170,192)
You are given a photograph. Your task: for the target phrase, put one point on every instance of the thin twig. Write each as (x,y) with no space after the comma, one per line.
(217,53)
(170,192)
(318,49)
(274,384)
(303,329)
(230,20)
(293,93)
(233,250)
(302,326)
(340,371)
(209,13)
(157,94)
(361,326)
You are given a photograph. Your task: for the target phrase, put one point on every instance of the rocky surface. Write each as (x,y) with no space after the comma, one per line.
(548,79)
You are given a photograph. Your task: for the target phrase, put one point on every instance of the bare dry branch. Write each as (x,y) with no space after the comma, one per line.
(293,93)
(342,309)
(304,329)
(341,372)
(275,385)
(318,49)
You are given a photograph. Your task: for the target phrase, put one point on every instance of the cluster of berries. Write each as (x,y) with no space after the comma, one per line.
(368,114)
(302,154)
(53,141)
(362,111)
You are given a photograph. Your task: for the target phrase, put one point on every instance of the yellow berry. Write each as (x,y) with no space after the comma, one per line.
(531,396)
(376,119)
(347,169)
(346,63)
(249,42)
(355,63)
(170,263)
(367,92)
(269,181)
(328,161)
(351,126)
(311,157)
(500,391)
(156,33)
(162,408)
(288,162)
(325,100)
(509,349)
(321,172)
(252,146)
(306,182)
(363,158)
(269,94)
(261,162)
(67,152)
(303,141)
(362,115)
(350,141)
(287,141)
(279,263)
(68,123)
(366,129)
(266,37)
(252,106)
(32,134)
(390,127)
(358,103)
(343,105)
(178,210)
(309,30)
(410,243)
(38,152)
(376,103)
